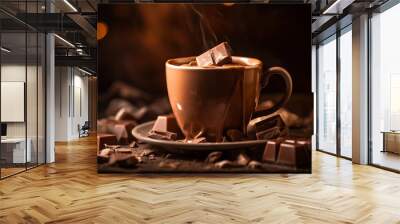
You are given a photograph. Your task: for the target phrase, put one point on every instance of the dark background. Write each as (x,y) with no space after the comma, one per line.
(141,37)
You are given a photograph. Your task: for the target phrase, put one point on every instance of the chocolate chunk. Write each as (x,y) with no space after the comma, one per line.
(205,59)
(113,147)
(214,157)
(162,135)
(222,54)
(225,164)
(147,152)
(116,104)
(166,123)
(234,135)
(242,159)
(270,133)
(141,113)
(198,140)
(123,160)
(123,150)
(267,127)
(106,152)
(271,150)
(103,139)
(293,154)
(123,131)
(219,55)
(124,114)
(133,144)
(254,164)
(169,165)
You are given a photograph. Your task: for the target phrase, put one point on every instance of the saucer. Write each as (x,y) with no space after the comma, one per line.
(141,130)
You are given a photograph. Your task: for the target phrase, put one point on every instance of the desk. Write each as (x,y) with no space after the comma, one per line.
(13,150)
(391,141)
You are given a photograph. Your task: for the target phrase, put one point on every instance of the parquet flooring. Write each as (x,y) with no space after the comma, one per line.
(71,191)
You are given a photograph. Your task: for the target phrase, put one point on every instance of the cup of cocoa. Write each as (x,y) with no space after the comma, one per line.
(208,97)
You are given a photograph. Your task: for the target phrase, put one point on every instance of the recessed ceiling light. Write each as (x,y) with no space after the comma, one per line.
(70,5)
(5,50)
(84,71)
(64,40)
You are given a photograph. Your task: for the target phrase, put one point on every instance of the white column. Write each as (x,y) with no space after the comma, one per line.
(314,91)
(50,92)
(50,98)
(360,90)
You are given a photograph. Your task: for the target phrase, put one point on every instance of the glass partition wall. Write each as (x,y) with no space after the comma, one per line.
(22,99)
(385,89)
(334,94)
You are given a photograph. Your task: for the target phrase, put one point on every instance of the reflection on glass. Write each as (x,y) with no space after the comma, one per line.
(385,84)
(15,151)
(31,96)
(345,94)
(327,96)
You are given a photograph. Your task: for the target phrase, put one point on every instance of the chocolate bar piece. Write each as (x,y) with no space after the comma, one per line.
(124,114)
(293,154)
(162,135)
(267,127)
(222,54)
(166,123)
(214,157)
(269,133)
(205,59)
(103,139)
(271,150)
(122,131)
(242,159)
(218,55)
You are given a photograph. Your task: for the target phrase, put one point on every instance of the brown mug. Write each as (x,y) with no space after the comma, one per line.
(208,100)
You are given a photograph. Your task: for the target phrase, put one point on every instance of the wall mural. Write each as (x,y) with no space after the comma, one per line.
(204,88)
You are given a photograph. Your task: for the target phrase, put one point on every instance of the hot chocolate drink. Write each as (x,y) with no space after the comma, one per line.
(215,92)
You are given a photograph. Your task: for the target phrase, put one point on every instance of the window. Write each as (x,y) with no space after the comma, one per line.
(385,88)
(326,135)
(346,92)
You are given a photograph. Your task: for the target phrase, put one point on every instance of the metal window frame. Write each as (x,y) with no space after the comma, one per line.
(44,74)
(339,32)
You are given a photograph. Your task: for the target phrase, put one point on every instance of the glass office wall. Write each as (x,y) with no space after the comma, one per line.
(326,60)
(13,86)
(345,58)
(385,88)
(22,94)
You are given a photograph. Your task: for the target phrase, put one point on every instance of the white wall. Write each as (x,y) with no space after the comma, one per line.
(71,94)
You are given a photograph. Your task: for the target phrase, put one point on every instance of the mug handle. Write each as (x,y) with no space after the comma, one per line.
(283,73)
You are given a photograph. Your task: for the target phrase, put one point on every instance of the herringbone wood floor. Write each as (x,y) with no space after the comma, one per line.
(71,191)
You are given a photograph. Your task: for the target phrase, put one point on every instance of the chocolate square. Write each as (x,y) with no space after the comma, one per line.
(105,139)
(271,150)
(293,154)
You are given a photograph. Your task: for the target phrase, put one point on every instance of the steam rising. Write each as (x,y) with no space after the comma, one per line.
(208,36)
